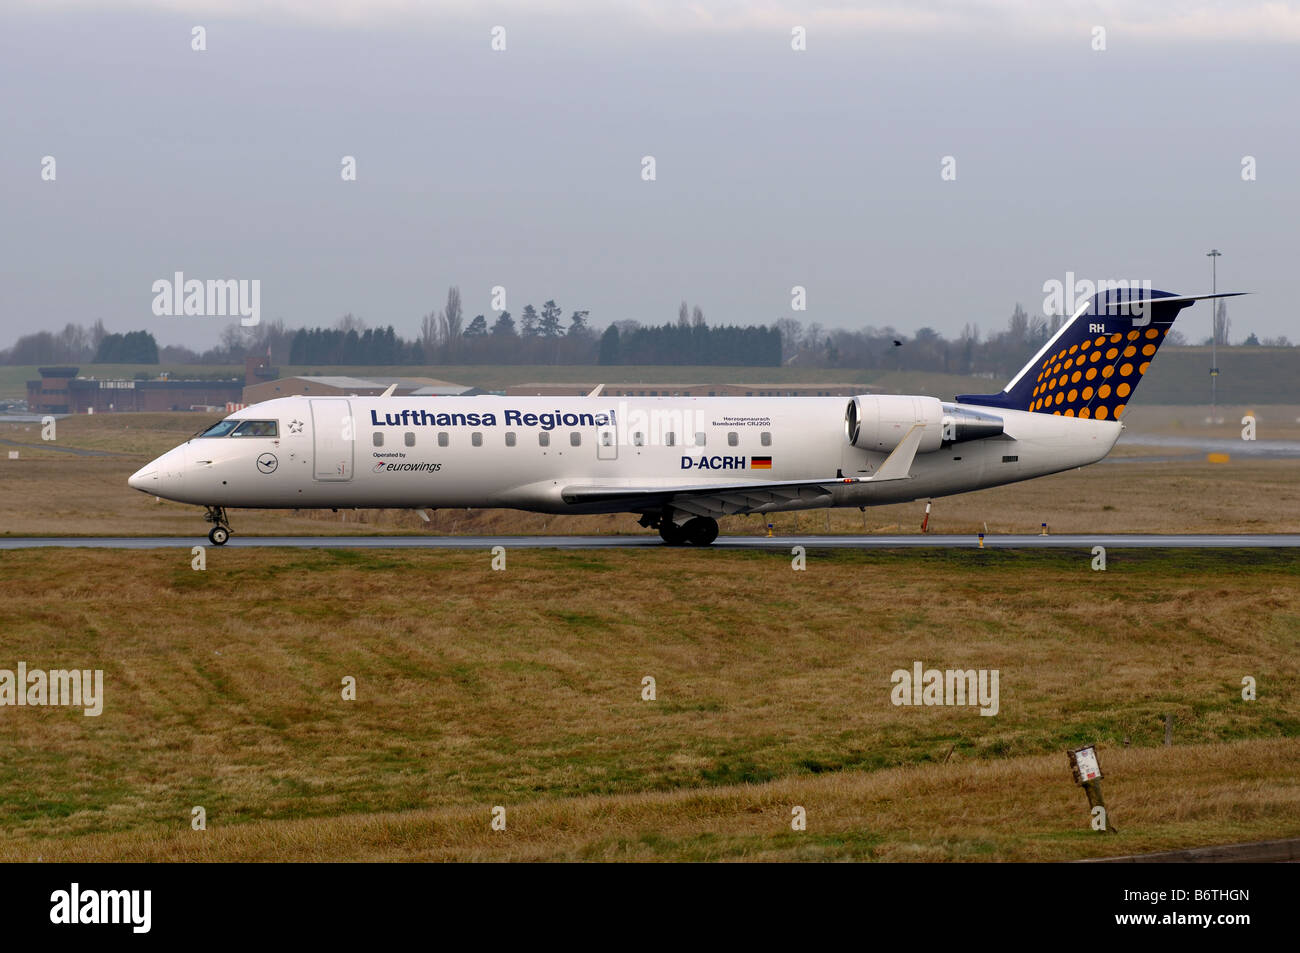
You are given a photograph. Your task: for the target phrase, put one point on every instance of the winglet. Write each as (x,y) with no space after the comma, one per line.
(596,391)
(898,465)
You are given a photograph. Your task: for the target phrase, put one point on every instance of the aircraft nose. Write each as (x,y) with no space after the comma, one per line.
(145,479)
(162,475)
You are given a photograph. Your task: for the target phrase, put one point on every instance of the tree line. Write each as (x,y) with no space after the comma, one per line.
(544,335)
(752,346)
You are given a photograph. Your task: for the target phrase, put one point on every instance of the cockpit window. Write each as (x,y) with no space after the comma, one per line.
(257,428)
(219,429)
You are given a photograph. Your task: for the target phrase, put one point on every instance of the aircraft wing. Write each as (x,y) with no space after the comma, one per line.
(749,496)
(709,499)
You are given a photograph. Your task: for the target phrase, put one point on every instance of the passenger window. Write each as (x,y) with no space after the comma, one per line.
(257,428)
(765,438)
(638,440)
(410,439)
(606,438)
(733,439)
(543,438)
(575,439)
(377,438)
(670,439)
(510,438)
(476,439)
(699,439)
(443,439)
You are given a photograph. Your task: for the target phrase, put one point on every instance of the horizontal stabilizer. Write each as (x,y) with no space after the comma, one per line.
(1169,299)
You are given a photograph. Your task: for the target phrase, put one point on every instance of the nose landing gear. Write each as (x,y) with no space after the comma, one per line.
(220,531)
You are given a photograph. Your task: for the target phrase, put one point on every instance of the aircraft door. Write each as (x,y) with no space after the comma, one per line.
(334,439)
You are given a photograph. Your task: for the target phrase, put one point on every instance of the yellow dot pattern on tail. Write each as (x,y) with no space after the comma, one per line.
(1095,377)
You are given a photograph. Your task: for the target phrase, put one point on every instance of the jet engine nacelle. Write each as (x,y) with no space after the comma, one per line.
(879,423)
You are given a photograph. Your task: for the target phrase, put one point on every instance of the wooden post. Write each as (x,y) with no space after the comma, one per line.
(1169,730)
(1086,769)
(1093,790)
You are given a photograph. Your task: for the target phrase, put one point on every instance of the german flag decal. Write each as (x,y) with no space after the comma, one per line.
(760,463)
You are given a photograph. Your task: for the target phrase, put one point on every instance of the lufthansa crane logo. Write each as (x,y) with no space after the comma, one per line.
(267,463)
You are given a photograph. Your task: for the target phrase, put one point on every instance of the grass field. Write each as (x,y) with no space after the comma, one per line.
(49,491)
(522,689)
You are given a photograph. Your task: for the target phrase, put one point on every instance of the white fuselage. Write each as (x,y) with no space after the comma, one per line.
(521,452)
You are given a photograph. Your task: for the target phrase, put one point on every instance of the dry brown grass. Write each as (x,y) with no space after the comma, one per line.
(522,688)
(1014,810)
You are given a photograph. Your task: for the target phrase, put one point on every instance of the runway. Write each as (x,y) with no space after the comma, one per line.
(1196,541)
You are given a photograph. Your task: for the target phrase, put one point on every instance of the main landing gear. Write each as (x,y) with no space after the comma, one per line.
(220,531)
(696,531)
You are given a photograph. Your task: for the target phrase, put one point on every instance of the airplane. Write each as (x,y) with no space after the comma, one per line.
(679,463)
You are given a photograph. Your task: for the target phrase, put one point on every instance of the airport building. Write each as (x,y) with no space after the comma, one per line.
(61,391)
(694,390)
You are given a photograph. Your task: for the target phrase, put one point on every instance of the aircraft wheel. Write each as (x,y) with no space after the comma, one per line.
(218,535)
(672,534)
(700,531)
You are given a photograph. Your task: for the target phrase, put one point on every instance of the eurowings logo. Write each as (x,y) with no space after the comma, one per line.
(407,467)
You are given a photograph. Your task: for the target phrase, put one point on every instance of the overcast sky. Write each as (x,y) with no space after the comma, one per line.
(523,167)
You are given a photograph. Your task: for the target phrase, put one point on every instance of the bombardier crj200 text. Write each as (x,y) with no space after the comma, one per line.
(679,462)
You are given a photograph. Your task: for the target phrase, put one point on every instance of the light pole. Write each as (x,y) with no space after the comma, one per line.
(1213,254)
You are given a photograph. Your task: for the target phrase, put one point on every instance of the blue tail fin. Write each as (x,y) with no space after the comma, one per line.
(1092,365)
